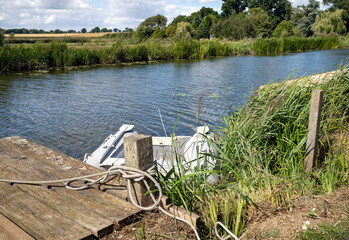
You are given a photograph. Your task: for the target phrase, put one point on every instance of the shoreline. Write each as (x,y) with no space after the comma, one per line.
(63,55)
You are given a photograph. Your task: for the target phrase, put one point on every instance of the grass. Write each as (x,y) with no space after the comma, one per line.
(261,151)
(270,234)
(336,231)
(43,53)
(292,44)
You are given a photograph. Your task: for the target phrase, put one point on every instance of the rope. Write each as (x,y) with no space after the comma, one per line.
(230,234)
(130,174)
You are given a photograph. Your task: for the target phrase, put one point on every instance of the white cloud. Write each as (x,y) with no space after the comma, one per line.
(50,19)
(207,1)
(76,14)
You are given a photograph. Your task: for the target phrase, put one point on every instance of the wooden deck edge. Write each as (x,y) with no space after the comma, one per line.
(12,231)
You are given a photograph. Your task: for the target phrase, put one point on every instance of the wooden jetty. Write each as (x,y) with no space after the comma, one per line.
(54,212)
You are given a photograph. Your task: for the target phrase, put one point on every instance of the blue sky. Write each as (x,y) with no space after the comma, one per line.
(76,14)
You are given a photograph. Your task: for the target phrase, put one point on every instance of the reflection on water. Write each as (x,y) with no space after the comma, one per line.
(73,111)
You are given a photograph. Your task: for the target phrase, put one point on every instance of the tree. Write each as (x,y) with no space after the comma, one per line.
(284,29)
(203,31)
(196,17)
(233,5)
(83,30)
(157,21)
(170,31)
(260,21)
(330,22)
(184,30)
(2,38)
(34,31)
(236,27)
(159,33)
(16,31)
(58,31)
(278,10)
(116,30)
(338,4)
(178,19)
(150,25)
(71,31)
(95,30)
(306,16)
(127,30)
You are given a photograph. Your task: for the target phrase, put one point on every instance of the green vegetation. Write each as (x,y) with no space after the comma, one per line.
(330,22)
(261,151)
(245,18)
(244,27)
(1,38)
(292,44)
(39,56)
(327,232)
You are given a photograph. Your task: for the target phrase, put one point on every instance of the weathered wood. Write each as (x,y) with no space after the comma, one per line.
(114,208)
(37,219)
(90,210)
(180,212)
(139,154)
(62,202)
(313,129)
(10,231)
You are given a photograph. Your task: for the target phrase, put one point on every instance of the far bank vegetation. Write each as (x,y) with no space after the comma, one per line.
(243,27)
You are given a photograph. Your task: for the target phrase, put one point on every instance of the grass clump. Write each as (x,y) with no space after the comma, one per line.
(261,155)
(292,44)
(327,232)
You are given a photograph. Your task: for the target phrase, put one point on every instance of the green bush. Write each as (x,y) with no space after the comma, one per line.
(2,38)
(284,29)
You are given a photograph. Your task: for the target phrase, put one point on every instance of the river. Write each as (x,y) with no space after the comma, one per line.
(74,111)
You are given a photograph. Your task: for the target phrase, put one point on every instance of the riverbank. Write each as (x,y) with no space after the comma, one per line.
(61,55)
(260,163)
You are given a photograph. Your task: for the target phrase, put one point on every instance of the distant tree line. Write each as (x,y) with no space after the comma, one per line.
(83,30)
(239,19)
(252,19)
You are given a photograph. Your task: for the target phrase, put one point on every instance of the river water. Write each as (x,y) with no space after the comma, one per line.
(74,111)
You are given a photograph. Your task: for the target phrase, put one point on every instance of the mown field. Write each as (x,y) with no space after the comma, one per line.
(58,35)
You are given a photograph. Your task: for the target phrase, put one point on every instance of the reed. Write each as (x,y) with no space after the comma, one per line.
(292,44)
(123,48)
(261,155)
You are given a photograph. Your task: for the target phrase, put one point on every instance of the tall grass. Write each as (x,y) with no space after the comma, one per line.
(292,44)
(261,155)
(59,54)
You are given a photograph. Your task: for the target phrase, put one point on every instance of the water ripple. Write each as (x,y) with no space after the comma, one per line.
(74,111)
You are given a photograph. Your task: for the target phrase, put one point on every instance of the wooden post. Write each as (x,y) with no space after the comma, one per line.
(139,154)
(313,128)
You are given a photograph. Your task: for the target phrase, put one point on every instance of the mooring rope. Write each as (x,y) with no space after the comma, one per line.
(130,174)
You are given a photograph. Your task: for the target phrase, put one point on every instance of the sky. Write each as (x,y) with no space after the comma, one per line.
(78,14)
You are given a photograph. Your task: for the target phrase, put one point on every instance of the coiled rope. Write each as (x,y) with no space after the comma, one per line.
(130,174)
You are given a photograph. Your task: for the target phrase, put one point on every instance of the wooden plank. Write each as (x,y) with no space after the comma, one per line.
(22,159)
(51,171)
(313,129)
(36,218)
(53,165)
(10,231)
(66,206)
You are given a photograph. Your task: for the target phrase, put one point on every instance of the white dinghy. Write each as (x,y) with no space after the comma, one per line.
(194,151)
